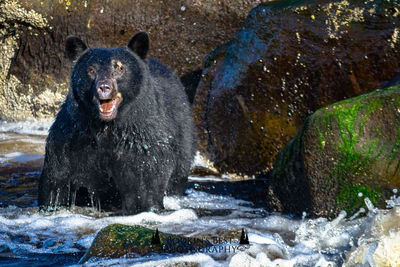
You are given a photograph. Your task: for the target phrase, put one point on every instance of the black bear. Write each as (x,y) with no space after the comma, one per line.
(124,134)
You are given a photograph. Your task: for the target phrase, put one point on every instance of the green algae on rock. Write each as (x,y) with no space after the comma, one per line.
(119,240)
(290,58)
(344,153)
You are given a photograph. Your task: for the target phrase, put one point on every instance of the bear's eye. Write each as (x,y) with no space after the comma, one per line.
(119,66)
(91,71)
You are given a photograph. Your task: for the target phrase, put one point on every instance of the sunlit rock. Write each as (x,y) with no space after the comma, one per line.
(287,60)
(19,100)
(119,240)
(345,157)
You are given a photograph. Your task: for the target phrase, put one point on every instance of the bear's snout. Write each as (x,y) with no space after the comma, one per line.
(104,89)
(107,98)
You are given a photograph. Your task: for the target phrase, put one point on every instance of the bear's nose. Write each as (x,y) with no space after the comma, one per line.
(104,87)
(104,90)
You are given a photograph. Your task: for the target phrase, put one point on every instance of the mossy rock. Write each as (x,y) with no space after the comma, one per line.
(289,59)
(119,240)
(344,152)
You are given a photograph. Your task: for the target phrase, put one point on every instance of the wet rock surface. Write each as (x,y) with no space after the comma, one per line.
(20,99)
(344,153)
(117,240)
(33,66)
(287,60)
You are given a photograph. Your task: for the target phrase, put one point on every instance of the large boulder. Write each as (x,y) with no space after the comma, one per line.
(287,60)
(34,70)
(344,153)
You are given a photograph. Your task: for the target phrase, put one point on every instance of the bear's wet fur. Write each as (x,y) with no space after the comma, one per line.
(124,134)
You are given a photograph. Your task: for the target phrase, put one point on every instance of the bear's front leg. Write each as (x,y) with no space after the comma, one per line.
(133,203)
(54,183)
(53,193)
(141,191)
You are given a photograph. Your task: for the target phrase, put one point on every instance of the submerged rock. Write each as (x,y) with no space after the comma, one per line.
(119,240)
(343,154)
(287,60)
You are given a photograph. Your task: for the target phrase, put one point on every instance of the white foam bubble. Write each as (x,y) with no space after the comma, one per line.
(199,161)
(202,260)
(20,157)
(207,179)
(31,127)
(262,239)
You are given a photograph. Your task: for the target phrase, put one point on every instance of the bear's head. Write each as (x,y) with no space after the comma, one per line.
(103,80)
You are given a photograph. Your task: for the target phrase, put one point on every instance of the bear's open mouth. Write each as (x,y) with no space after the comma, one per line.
(108,107)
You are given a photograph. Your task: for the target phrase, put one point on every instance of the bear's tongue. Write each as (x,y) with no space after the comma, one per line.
(106,106)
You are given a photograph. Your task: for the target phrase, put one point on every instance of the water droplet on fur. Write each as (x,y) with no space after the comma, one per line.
(73,199)
(51,198)
(58,195)
(183,8)
(92,201)
(395,191)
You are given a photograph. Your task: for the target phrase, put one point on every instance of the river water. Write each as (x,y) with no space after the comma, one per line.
(32,238)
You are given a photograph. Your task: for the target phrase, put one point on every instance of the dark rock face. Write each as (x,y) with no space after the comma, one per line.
(343,150)
(119,240)
(202,25)
(287,60)
(34,33)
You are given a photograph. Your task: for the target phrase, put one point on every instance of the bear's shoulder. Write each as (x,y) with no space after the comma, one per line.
(157,69)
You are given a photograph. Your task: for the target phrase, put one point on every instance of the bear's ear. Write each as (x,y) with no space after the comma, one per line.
(140,44)
(74,47)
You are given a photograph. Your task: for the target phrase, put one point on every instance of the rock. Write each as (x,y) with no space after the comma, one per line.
(344,153)
(33,63)
(119,240)
(19,100)
(190,81)
(287,60)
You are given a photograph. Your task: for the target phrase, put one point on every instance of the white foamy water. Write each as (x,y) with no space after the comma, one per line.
(19,157)
(276,240)
(23,142)
(32,127)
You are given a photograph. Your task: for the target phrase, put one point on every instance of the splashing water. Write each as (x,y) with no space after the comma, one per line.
(32,238)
